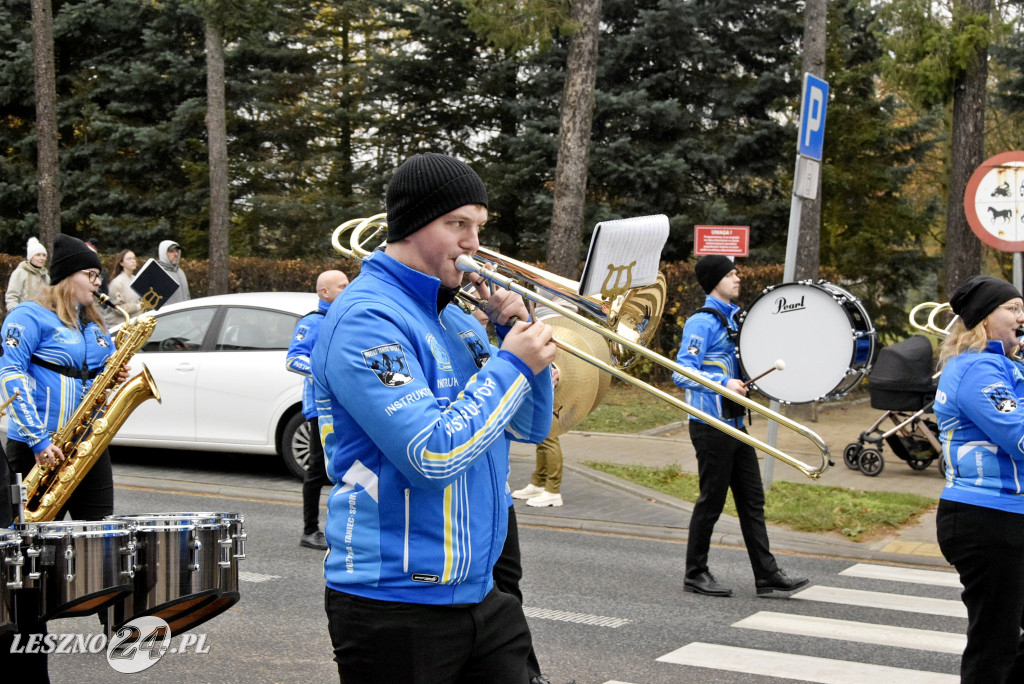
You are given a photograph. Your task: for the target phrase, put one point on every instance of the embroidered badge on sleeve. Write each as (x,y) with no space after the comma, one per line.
(695,344)
(1001,397)
(388,363)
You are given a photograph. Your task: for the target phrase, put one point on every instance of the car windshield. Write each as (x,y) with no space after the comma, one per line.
(181,330)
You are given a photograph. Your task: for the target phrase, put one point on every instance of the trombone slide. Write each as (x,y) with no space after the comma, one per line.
(467,263)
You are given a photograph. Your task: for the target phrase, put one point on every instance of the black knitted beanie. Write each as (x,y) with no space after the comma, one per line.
(427,186)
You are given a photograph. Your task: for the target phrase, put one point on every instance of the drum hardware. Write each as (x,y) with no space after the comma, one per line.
(10,579)
(822,329)
(78,567)
(187,568)
(634,316)
(779,366)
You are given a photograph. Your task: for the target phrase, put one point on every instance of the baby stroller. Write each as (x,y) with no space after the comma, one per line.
(902,383)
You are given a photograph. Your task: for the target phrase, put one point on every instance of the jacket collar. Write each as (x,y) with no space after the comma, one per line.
(420,287)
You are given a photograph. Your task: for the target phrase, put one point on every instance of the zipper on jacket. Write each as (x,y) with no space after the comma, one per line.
(405,541)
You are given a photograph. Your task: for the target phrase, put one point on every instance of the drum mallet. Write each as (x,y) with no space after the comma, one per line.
(779,365)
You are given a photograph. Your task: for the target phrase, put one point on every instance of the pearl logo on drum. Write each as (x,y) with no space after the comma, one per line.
(783,306)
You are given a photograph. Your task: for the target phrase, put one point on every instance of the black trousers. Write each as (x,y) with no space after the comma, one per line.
(987,548)
(380,642)
(93,499)
(314,481)
(725,463)
(507,573)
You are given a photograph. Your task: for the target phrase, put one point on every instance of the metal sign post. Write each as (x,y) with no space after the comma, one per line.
(810,145)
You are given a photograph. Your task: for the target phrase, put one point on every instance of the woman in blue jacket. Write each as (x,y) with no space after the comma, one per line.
(980,521)
(53,348)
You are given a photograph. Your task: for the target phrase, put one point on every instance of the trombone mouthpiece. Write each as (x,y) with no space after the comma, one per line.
(464,262)
(780,364)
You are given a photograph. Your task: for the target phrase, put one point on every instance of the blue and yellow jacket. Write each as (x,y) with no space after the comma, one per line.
(47,398)
(979,406)
(299,350)
(416,410)
(706,348)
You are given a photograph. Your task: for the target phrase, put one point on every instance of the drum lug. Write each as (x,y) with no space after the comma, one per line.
(69,557)
(225,544)
(128,551)
(240,551)
(17,562)
(194,547)
(33,554)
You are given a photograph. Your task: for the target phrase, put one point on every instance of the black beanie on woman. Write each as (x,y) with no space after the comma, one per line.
(69,255)
(978,296)
(426,187)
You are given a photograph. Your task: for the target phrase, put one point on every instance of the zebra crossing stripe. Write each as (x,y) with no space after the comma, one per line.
(790,666)
(861,632)
(579,618)
(878,599)
(938,578)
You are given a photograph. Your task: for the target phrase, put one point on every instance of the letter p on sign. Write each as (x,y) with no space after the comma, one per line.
(812,117)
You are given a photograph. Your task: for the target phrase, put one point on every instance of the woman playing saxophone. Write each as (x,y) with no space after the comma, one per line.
(52,348)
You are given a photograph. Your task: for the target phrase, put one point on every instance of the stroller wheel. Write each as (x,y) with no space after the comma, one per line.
(943,465)
(851,455)
(871,462)
(919,463)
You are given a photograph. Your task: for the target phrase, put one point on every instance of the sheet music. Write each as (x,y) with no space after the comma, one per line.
(624,253)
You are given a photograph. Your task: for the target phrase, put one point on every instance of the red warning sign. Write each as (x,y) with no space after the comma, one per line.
(724,240)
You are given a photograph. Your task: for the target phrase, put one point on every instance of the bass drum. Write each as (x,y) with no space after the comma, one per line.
(819,330)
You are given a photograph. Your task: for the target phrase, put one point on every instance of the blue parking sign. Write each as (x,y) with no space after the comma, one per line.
(812,117)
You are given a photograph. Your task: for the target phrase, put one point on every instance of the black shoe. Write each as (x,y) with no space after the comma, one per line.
(539,679)
(705,583)
(780,581)
(314,541)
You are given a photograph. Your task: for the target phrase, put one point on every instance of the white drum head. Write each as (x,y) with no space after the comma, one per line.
(805,327)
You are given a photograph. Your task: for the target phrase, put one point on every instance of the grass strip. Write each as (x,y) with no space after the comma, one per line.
(855,513)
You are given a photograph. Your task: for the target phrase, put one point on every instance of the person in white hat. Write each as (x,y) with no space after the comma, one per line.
(28,276)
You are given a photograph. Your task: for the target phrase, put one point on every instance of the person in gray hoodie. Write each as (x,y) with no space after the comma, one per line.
(168,257)
(28,276)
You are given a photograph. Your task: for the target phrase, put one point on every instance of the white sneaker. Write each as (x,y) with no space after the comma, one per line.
(544,500)
(527,492)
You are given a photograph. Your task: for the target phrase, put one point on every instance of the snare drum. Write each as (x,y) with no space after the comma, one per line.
(79,567)
(177,569)
(819,330)
(10,578)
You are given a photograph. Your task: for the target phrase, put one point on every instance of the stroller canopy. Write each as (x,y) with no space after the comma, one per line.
(901,378)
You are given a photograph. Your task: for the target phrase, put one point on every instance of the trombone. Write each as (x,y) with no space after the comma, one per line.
(567,290)
(930,326)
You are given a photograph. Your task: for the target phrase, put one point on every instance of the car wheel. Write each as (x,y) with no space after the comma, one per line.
(294,447)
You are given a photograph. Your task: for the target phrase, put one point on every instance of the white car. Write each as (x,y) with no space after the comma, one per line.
(218,363)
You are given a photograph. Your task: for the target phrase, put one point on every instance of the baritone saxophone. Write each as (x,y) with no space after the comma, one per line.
(99,416)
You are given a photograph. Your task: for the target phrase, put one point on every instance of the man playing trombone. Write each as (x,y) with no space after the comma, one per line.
(723,462)
(416,409)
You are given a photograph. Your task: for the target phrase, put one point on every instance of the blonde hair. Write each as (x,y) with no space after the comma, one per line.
(960,340)
(60,299)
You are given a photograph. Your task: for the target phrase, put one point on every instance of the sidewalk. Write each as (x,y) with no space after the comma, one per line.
(603,503)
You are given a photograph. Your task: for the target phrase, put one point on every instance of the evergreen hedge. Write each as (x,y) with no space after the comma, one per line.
(259,274)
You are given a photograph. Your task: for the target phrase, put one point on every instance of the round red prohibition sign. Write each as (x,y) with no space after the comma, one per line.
(994,202)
